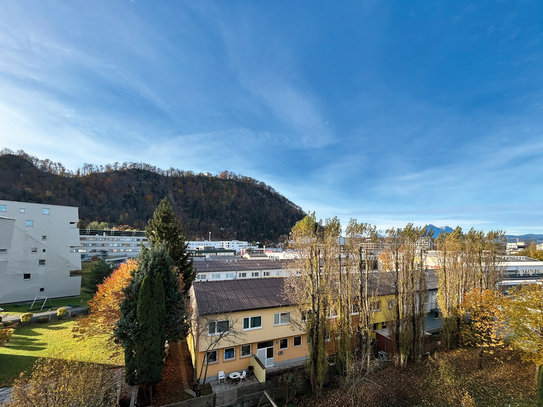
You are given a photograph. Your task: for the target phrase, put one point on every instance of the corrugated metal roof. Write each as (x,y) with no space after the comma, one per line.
(218,297)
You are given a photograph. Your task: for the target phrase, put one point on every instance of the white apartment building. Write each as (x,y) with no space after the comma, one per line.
(110,244)
(37,244)
(236,245)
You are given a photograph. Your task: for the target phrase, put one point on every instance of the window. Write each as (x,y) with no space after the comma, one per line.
(44,238)
(21,210)
(383,325)
(211,357)
(375,327)
(255,274)
(200,277)
(229,353)
(3,250)
(242,275)
(375,306)
(391,304)
(297,341)
(216,276)
(45,211)
(252,323)
(230,275)
(436,315)
(283,343)
(219,327)
(2,208)
(266,273)
(41,262)
(26,276)
(34,250)
(281,318)
(42,289)
(245,351)
(333,313)
(29,223)
(44,250)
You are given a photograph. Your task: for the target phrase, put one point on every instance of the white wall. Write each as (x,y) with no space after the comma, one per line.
(36,251)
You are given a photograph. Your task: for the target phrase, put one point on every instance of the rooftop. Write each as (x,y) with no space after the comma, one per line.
(240,265)
(219,297)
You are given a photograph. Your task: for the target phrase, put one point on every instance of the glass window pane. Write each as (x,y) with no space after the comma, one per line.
(256,322)
(245,323)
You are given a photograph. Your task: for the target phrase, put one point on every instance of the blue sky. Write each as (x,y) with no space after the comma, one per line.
(384,111)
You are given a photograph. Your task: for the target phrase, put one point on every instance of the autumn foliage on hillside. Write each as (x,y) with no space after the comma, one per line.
(228,205)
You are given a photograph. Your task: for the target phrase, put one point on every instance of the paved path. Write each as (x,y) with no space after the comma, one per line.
(52,315)
(5,395)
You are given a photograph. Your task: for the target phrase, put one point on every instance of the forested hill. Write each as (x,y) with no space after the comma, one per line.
(228,205)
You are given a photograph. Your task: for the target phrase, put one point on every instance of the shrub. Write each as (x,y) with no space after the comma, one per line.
(5,335)
(61,312)
(25,318)
(42,320)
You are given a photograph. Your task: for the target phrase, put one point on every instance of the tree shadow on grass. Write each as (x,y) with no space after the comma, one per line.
(12,366)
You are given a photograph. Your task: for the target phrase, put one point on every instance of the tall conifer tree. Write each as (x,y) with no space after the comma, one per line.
(164,227)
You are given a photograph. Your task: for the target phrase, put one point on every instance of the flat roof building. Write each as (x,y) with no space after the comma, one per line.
(37,251)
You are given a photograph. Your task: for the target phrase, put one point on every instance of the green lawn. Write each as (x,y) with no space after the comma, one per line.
(51,340)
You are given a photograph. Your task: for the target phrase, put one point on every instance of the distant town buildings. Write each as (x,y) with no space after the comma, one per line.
(37,251)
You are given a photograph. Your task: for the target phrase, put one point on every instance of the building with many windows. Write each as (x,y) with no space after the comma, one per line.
(240,268)
(37,251)
(110,244)
(242,323)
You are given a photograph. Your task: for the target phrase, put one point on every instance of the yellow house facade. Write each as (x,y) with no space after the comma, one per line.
(235,319)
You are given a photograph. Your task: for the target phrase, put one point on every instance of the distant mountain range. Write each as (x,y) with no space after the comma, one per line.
(510,238)
(437,230)
(524,238)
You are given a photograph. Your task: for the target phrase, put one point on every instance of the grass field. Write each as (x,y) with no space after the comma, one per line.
(51,340)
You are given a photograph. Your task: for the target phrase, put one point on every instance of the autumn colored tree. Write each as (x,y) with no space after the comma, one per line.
(63,383)
(105,307)
(484,320)
(465,261)
(524,314)
(310,287)
(404,265)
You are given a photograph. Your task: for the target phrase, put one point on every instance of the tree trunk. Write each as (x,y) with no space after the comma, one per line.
(539,386)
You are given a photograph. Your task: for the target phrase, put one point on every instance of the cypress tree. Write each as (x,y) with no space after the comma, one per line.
(148,312)
(164,227)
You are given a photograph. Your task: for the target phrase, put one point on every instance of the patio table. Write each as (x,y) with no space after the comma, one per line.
(234,375)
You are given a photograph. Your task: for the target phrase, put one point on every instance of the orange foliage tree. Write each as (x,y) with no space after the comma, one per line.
(484,321)
(105,307)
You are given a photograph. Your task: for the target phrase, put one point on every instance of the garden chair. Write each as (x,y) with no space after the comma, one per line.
(222,376)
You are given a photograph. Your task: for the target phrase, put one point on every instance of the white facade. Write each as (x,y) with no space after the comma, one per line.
(110,243)
(37,244)
(236,245)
